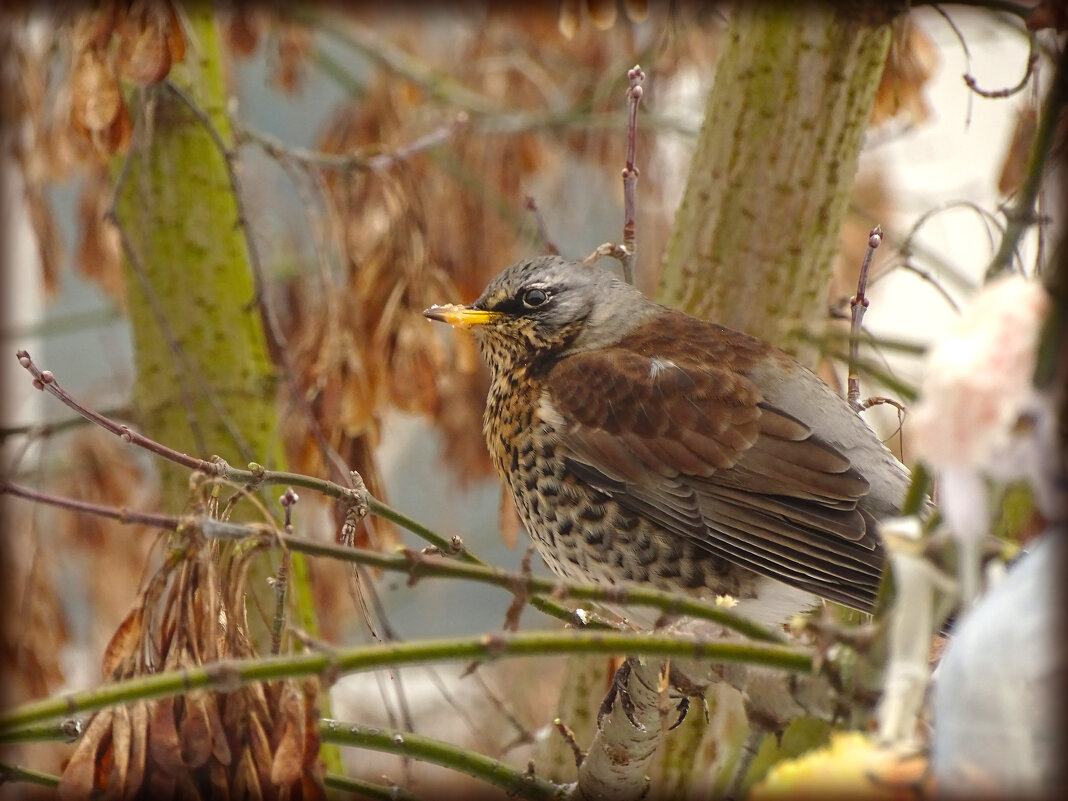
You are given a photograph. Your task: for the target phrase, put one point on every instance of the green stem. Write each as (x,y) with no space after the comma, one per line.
(419,566)
(17,773)
(228,675)
(360,787)
(427,749)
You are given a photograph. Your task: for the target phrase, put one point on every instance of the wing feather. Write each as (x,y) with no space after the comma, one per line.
(695,449)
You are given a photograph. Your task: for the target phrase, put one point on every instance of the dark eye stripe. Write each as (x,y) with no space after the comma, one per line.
(509,306)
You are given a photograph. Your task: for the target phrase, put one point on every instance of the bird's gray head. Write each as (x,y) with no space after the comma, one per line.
(548,306)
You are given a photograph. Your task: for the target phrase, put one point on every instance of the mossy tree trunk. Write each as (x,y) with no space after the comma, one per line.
(768,189)
(205,384)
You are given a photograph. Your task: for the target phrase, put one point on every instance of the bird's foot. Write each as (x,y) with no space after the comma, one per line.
(618,689)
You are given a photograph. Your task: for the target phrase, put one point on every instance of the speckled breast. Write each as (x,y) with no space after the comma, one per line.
(580,531)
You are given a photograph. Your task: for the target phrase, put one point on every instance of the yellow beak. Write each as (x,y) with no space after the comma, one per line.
(460,316)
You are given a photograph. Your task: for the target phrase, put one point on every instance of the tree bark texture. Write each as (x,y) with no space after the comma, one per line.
(757,228)
(205,384)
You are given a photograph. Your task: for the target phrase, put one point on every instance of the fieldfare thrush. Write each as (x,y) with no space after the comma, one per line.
(645,445)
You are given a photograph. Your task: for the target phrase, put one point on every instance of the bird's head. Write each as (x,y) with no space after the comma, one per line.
(547,307)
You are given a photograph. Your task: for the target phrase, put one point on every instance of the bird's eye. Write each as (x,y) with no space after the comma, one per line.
(535,297)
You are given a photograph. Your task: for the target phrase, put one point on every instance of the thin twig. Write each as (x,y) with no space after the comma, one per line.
(355,497)
(857,306)
(548,245)
(513,781)
(1032,61)
(635,76)
(1021,214)
(281,579)
(419,565)
(356,160)
(569,738)
(365,789)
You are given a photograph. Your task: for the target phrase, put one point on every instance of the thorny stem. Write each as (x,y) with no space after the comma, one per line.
(857,306)
(635,76)
(1021,214)
(418,565)
(228,675)
(427,749)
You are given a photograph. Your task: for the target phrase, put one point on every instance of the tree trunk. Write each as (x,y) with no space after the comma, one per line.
(768,188)
(204,382)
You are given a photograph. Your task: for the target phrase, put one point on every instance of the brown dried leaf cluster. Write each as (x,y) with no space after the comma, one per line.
(911,64)
(133,42)
(258,741)
(69,94)
(290,43)
(602,13)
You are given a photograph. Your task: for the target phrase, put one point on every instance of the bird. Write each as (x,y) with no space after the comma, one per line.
(642,445)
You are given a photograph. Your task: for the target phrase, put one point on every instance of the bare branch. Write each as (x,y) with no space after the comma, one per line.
(858,305)
(630,172)
(546,242)
(1032,60)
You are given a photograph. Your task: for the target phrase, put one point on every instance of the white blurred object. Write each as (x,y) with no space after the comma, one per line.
(997,697)
(980,417)
(917,581)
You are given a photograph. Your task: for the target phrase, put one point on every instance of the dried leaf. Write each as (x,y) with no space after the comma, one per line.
(219,782)
(125,643)
(220,747)
(121,742)
(135,774)
(194,732)
(909,67)
(636,10)
(116,137)
(602,13)
(144,52)
(100,250)
(93,29)
(95,95)
(79,775)
(260,753)
(294,44)
(570,18)
(1014,167)
(163,744)
(243,30)
(160,786)
(48,235)
(289,732)
(1049,14)
(175,35)
(246,782)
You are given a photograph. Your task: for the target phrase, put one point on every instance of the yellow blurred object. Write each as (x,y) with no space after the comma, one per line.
(852,766)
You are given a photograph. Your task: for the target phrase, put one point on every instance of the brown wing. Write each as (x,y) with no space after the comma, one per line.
(693,447)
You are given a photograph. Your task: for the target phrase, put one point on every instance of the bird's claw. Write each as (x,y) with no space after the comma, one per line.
(618,689)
